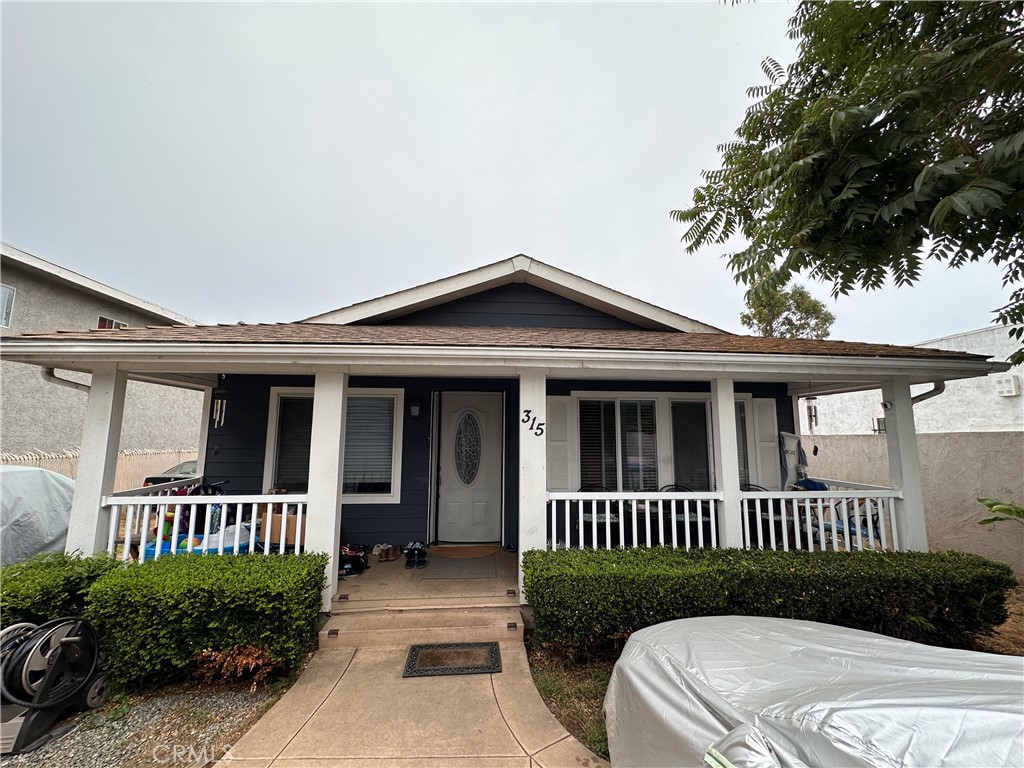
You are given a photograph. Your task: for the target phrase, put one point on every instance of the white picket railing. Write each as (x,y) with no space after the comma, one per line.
(847,517)
(147,526)
(609,520)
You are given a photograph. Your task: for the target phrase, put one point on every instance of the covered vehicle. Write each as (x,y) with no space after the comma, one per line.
(818,695)
(35,506)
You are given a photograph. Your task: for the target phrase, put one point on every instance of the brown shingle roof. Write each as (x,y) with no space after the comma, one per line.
(463,336)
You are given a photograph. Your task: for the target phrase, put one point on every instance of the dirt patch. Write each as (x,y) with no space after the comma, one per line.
(1008,637)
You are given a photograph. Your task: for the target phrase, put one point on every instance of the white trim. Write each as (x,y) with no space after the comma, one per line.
(854,372)
(270,450)
(204,431)
(89,285)
(518,269)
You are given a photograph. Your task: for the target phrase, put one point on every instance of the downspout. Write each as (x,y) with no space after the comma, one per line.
(938,387)
(50,375)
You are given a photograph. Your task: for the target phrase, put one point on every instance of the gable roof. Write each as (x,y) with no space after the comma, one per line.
(88,285)
(518,269)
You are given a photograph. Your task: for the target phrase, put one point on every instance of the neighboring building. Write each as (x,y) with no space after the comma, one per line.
(516,404)
(39,415)
(970,438)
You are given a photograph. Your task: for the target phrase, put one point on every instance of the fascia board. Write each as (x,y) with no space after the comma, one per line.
(87,284)
(217,357)
(412,299)
(611,301)
(518,269)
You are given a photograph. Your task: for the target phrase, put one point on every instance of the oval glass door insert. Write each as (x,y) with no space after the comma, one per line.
(467,448)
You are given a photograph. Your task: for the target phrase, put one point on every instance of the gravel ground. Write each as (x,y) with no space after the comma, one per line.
(180,727)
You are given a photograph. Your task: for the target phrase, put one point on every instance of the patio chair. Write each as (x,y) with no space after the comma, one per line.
(699,521)
(768,521)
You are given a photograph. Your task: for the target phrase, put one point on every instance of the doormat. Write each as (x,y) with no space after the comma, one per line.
(475,550)
(452,659)
(452,568)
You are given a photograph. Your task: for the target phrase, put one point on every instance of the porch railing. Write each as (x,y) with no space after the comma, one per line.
(146,526)
(846,517)
(608,520)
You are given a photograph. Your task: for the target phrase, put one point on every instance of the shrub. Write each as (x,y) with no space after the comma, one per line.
(49,586)
(156,617)
(583,599)
(243,663)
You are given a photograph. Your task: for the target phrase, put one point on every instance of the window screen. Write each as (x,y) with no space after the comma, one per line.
(639,445)
(294,428)
(369,443)
(690,445)
(107,322)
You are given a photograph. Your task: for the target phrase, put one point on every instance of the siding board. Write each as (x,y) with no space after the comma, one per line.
(513,305)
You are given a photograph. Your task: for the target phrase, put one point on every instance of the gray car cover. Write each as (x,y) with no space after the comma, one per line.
(35,506)
(819,695)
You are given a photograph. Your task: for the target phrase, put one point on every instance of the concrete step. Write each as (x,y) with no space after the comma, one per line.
(355,604)
(387,628)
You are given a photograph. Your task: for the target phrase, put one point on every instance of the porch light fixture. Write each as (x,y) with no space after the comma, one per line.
(414,408)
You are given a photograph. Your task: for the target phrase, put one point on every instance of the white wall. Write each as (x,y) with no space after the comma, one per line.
(971,405)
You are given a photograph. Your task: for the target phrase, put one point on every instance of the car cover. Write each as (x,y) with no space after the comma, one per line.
(819,695)
(35,505)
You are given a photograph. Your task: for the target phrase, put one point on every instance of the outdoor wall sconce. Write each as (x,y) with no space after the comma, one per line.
(414,408)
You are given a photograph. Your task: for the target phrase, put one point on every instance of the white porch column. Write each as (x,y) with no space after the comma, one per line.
(533,463)
(326,464)
(727,463)
(89,525)
(904,465)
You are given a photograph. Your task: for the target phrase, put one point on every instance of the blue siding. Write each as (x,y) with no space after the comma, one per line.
(515,305)
(236,452)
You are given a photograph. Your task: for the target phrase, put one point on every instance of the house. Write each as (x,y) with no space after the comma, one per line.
(515,403)
(44,410)
(970,439)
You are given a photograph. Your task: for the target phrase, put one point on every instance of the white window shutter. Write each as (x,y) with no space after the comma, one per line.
(557,432)
(766,441)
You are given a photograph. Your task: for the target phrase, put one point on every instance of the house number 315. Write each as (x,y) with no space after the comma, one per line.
(532,424)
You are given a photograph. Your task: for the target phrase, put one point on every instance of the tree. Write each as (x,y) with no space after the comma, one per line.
(897,136)
(790,313)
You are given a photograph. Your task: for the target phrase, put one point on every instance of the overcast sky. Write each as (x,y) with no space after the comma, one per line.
(267,162)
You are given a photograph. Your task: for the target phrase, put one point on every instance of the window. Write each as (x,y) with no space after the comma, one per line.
(369,445)
(106,322)
(373,440)
(6,305)
(628,462)
(691,443)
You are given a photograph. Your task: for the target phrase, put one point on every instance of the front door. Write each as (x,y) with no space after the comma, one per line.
(469,456)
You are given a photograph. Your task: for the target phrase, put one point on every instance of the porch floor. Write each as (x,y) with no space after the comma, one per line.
(392,585)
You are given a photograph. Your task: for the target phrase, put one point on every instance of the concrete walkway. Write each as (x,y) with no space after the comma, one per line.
(352,707)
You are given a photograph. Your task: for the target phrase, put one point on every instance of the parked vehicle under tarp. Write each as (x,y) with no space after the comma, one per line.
(35,506)
(819,695)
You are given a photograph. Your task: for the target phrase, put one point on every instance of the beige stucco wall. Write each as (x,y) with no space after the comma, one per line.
(956,469)
(39,416)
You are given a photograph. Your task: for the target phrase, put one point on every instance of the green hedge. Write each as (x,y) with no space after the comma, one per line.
(154,618)
(584,601)
(49,586)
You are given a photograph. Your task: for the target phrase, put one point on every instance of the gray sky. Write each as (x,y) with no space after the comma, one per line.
(266,162)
